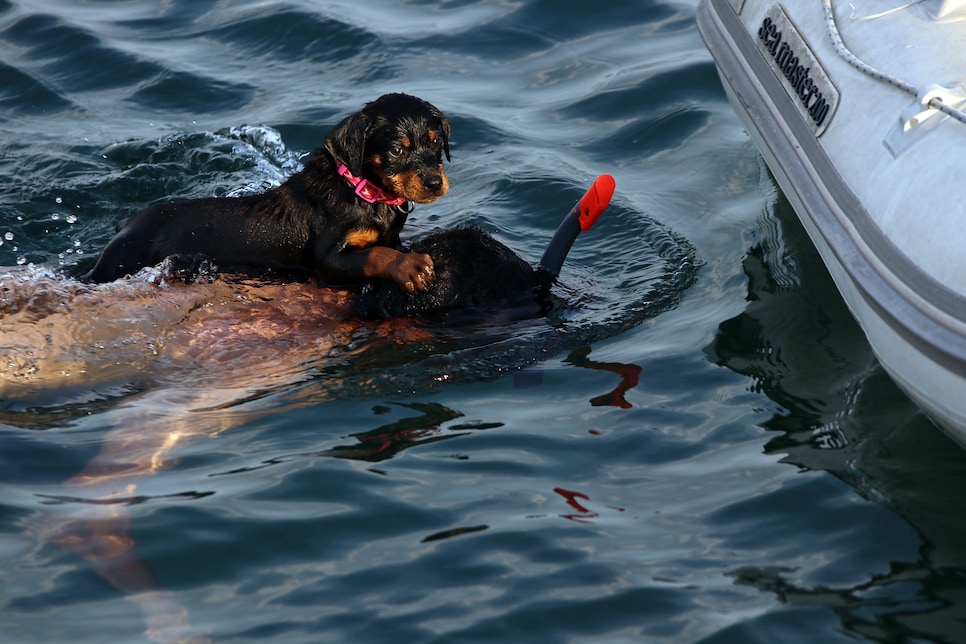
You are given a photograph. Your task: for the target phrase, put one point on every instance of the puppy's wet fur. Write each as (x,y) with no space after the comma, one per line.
(314,221)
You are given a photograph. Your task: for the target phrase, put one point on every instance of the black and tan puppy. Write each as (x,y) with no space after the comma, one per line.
(339,217)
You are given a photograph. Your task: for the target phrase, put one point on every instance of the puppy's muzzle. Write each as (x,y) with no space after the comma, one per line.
(433,183)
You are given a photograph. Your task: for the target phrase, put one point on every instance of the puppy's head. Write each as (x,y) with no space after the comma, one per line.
(397,142)
(477,278)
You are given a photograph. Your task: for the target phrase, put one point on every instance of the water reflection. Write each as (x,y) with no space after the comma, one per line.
(93,516)
(629,375)
(386,441)
(799,345)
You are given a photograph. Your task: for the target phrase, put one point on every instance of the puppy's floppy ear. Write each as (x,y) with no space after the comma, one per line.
(347,142)
(443,125)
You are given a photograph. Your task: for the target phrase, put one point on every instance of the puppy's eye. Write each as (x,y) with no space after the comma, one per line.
(396,151)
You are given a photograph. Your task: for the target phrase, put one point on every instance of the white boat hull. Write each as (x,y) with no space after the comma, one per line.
(877,185)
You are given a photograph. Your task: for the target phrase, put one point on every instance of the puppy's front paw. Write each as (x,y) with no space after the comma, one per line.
(413,271)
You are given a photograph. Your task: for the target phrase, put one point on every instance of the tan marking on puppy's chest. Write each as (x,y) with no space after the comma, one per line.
(361,238)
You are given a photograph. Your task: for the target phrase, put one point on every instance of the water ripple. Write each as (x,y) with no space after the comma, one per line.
(78,60)
(184,92)
(295,36)
(21,93)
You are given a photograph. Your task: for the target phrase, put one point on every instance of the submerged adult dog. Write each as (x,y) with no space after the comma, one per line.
(338,218)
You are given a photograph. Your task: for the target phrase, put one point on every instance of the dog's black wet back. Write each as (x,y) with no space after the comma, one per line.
(475,276)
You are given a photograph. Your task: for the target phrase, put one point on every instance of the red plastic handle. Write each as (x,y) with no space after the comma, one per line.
(595,201)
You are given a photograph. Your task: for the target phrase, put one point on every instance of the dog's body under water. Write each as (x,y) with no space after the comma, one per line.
(225,331)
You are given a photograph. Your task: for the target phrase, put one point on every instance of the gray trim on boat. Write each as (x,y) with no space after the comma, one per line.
(828,201)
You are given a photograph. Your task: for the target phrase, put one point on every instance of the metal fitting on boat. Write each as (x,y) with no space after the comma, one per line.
(925,106)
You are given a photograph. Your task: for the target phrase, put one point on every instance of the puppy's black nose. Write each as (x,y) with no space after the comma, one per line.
(434,182)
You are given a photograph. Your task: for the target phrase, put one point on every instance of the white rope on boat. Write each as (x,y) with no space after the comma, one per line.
(926,95)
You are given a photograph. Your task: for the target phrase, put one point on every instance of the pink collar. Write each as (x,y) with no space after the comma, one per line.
(368,191)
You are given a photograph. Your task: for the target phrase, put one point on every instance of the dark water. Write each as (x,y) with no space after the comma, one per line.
(701,447)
